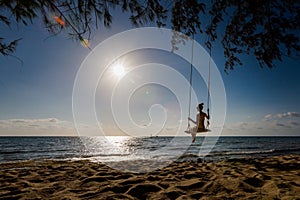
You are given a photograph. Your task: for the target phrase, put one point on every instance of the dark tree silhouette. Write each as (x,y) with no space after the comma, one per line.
(268,29)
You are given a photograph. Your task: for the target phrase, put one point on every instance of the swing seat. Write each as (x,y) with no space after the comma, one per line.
(193,133)
(189,131)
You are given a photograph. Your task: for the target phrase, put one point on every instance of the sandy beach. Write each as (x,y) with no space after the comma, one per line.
(276,177)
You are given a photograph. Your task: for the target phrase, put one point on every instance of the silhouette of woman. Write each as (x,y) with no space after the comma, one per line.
(200,118)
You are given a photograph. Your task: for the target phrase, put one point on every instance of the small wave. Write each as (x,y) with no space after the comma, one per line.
(288,150)
(232,153)
(33,151)
(252,152)
(103,155)
(257,152)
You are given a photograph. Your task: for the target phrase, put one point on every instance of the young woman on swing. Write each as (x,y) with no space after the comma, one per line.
(200,118)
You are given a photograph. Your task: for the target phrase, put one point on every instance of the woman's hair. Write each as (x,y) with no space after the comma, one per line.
(200,106)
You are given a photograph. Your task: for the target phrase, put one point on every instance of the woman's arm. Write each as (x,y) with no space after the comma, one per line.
(192,120)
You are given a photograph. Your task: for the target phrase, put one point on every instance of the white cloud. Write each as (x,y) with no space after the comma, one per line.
(272,124)
(51,127)
(281,115)
(38,127)
(293,123)
(268,117)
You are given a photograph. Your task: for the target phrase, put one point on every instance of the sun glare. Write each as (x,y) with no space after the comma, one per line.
(119,70)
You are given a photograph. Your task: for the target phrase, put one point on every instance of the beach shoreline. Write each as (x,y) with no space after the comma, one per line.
(276,177)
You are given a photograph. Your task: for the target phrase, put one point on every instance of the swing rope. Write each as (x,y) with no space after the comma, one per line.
(191,80)
(209,64)
(208,85)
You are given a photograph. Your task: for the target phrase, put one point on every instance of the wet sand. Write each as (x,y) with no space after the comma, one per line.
(261,178)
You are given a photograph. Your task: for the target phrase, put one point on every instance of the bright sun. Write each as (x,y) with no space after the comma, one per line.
(119,70)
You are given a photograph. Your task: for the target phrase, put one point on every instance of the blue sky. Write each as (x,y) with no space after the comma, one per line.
(36,96)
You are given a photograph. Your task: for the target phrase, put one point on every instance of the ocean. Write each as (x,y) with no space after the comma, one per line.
(116,148)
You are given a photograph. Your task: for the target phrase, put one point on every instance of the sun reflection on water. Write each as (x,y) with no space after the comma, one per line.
(133,153)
